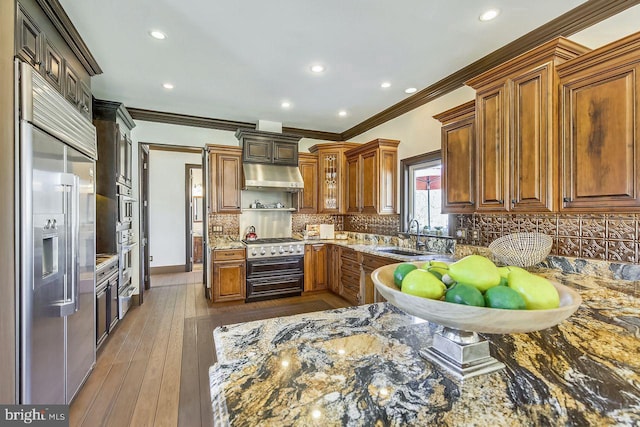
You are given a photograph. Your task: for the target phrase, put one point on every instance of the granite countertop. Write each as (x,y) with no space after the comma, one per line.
(360,366)
(225,243)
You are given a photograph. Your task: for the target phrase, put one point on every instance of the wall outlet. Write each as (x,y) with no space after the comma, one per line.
(216,229)
(461,233)
(475,234)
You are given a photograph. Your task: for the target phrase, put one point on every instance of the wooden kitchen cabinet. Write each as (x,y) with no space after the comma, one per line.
(331,182)
(333,268)
(458,158)
(369,264)
(225,165)
(197,249)
(517,128)
(28,39)
(229,274)
(307,199)
(601,129)
(372,177)
(316,277)
(268,147)
(349,285)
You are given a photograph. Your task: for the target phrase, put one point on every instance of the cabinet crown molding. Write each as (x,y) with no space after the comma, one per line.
(110,110)
(372,145)
(468,109)
(626,47)
(333,146)
(559,50)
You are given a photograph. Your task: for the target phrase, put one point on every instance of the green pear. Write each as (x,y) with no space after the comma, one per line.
(538,293)
(423,284)
(475,270)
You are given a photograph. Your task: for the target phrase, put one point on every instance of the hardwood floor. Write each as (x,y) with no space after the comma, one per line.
(152,371)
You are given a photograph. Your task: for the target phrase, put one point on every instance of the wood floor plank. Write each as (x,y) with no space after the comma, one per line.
(122,410)
(106,397)
(85,398)
(145,409)
(189,410)
(169,397)
(190,306)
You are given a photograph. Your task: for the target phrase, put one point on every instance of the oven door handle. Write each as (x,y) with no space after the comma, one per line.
(129,246)
(279,263)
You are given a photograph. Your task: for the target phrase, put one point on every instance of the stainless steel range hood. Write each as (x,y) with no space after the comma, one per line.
(259,176)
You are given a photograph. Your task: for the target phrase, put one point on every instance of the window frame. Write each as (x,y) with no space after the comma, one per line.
(405,168)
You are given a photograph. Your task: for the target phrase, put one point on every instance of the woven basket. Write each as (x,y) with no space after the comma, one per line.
(521,249)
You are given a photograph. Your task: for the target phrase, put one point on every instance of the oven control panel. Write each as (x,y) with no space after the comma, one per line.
(277,250)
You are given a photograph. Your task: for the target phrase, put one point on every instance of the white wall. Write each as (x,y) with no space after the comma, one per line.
(417,130)
(167,206)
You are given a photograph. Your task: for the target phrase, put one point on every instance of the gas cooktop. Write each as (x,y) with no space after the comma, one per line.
(272,241)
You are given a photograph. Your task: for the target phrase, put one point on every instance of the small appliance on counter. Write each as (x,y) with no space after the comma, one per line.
(250,234)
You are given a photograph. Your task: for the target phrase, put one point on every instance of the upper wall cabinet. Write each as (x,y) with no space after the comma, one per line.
(458,158)
(268,147)
(35,47)
(372,177)
(516,128)
(331,168)
(600,93)
(225,188)
(307,199)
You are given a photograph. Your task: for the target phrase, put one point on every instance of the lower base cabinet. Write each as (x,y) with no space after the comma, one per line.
(229,275)
(349,287)
(369,264)
(106,302)
(316,267)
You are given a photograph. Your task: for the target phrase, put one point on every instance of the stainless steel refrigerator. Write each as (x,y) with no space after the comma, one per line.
(57,152)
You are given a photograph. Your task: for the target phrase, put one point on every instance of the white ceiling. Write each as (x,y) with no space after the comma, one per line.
(238,60)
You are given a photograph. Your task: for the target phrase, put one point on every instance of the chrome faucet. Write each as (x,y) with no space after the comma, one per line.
(418,243)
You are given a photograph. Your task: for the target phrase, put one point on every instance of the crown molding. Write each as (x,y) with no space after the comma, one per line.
(54,10)
(220,124)
(577,19)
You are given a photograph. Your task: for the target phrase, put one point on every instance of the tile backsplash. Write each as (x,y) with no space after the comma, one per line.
(611,237)
(377,224)
(230,224)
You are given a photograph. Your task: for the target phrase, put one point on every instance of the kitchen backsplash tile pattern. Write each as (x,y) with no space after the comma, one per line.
(230,224)
(377,224)
(596,236)
(299,221)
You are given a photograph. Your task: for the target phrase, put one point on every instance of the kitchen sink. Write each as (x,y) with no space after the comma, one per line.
(400,252)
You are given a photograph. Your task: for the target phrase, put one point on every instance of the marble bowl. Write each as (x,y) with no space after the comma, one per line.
(475,319)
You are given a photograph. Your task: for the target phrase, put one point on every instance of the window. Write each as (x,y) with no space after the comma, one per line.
(422,194)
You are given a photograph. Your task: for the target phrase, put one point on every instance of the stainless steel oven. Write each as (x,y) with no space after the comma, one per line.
(275,268)
(125,287)
(125,207)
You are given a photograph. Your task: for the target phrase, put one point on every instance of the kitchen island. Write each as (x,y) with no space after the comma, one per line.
(360,366)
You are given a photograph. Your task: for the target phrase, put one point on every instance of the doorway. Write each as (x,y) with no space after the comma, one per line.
(194,216)
(163,257)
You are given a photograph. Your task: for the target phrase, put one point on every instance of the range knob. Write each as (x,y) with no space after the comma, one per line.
(273,250)
(262,251)
(299,248)
(290,249)
(281,250)
(253,252)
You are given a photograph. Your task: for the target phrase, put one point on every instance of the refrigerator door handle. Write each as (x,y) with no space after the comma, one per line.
(70,304)
(75,232)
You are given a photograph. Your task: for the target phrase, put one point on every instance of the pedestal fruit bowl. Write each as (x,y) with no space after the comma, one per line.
(457,347)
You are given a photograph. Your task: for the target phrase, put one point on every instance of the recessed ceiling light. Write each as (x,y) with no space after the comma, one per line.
(317,68)
(167,85)
(410,90)
(385,85)
(285,104)
(157,35)
(489,15)
(342,113)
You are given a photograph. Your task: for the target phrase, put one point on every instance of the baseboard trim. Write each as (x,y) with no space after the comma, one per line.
(168,269)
